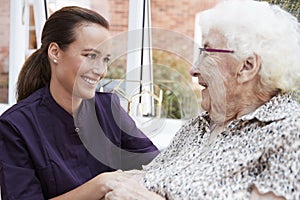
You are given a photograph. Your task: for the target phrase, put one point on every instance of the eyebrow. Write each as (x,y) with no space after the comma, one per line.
(94,50)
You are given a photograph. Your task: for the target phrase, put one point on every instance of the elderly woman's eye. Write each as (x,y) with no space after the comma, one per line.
(205,46)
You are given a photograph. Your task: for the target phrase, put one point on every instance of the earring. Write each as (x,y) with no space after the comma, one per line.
(54,60)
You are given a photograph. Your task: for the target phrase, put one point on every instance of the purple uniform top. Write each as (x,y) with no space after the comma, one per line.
(43,154)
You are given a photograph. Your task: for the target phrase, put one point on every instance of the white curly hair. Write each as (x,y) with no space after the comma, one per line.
(266,30)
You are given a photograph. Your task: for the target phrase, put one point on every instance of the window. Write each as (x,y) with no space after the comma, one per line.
(4,50)
(168,56)
(12,23)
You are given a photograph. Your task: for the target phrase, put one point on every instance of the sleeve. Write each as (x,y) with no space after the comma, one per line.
(17,175)
(281,174)
(137,148)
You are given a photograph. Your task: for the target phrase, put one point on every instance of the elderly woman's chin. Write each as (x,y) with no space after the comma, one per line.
(205,102)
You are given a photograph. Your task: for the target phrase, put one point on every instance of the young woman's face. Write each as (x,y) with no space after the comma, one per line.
(83,64)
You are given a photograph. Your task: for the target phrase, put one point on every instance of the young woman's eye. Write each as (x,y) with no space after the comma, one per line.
(91,55)
(106,59)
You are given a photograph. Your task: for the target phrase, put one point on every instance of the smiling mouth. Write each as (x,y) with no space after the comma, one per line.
(203,84)
(89,80)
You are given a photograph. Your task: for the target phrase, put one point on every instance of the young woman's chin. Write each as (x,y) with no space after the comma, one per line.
(84,92)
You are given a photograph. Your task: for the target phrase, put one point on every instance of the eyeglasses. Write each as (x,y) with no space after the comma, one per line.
(215,50)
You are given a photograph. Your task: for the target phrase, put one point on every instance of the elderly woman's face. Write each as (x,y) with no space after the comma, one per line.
(216,72)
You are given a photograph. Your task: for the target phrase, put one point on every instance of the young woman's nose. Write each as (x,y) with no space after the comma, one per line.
(99,69)
(98,66)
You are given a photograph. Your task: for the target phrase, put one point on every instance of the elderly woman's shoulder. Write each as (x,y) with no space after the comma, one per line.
(289,124)
(289,108)
(202,118)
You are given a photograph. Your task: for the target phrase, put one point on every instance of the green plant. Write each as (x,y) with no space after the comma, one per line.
(292,6)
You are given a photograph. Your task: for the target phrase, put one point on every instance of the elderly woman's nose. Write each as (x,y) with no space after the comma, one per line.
(194,71)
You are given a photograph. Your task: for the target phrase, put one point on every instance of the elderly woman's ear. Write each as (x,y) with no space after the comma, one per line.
(249,68)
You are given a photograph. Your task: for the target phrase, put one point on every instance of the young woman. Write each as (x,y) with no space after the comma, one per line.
(61,135)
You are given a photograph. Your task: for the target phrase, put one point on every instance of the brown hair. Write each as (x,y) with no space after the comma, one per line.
(60,27)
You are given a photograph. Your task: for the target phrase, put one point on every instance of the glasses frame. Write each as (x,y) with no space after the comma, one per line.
(203,49)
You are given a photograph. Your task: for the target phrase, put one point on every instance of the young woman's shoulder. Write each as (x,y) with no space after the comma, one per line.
(107,98)
(25,105)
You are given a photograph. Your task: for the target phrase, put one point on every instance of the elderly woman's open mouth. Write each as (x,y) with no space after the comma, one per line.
(202,84)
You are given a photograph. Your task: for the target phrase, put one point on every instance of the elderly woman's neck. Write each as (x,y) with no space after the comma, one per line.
(249,103)
(240,106)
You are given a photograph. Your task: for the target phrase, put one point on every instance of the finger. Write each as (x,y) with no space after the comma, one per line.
(109,196)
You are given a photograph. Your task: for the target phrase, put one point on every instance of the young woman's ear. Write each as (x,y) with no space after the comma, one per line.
(53,52)
(249,68)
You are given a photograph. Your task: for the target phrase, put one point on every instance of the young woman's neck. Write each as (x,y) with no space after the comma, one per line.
(65,99)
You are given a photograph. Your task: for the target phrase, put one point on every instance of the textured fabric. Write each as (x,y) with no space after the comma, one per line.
(261,149)
(42,154)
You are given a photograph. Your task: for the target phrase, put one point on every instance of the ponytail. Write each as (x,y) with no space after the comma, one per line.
(35,74)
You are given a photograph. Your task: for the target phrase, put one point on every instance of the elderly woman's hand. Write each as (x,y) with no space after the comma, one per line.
(129,186)
(256,195)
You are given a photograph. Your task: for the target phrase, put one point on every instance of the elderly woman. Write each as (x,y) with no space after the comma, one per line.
(247,143)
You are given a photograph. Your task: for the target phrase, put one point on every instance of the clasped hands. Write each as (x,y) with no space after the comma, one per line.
(127,185)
